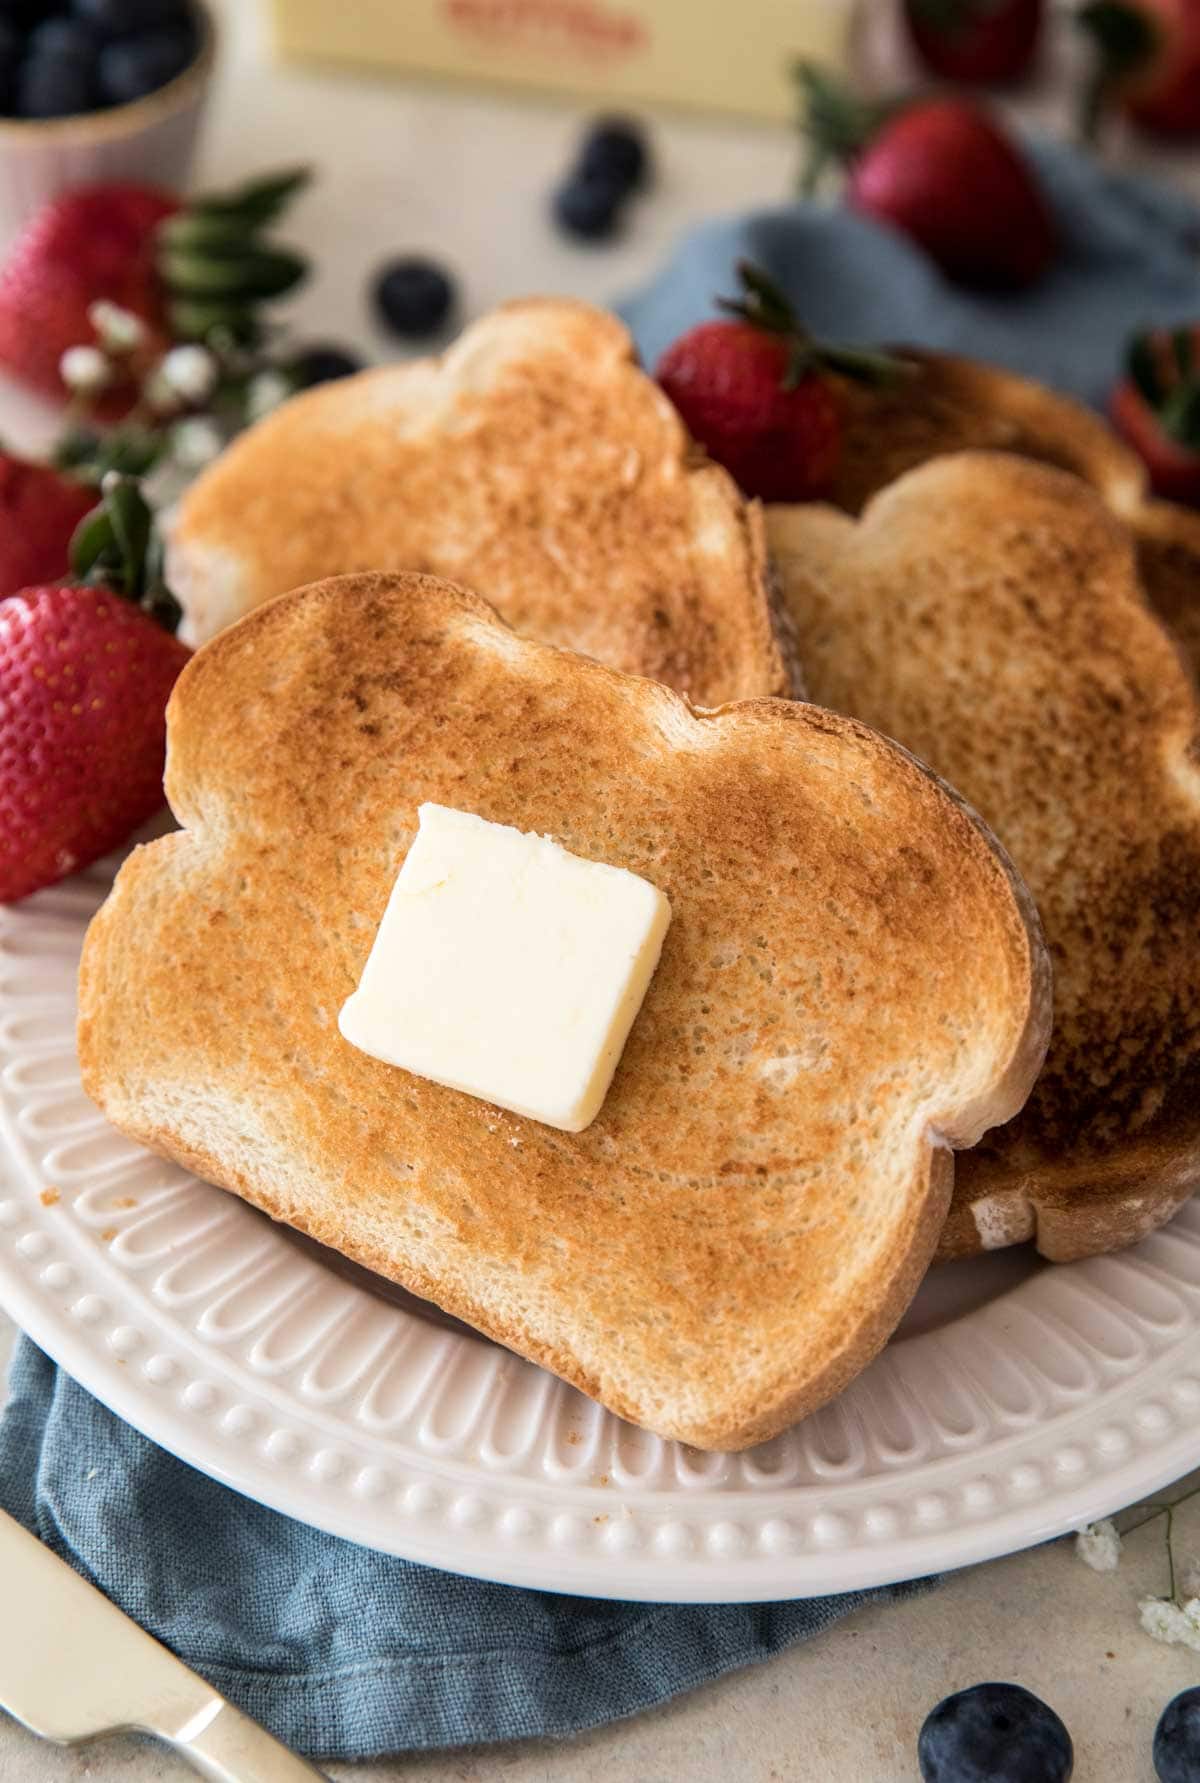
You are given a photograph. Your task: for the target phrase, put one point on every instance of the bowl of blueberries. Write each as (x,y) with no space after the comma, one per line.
(98,90)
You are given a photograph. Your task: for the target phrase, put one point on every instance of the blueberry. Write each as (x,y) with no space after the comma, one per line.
(615,150)
(321,364)
(1177,1739)
(25,13)
(132,67)
(413,296)
(994,1733)
(54,87)
(589,208)
(125,18)
(10,57)
(63,37)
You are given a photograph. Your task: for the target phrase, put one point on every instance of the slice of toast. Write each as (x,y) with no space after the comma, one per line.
(534,462)
(961,404)
(987,611)
(853,981)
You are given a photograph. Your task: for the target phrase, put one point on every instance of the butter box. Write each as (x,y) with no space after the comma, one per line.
(704,53)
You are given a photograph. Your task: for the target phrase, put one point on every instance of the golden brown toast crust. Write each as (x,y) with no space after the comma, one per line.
(853,979)
(987,611)
(961,404)
(532,461)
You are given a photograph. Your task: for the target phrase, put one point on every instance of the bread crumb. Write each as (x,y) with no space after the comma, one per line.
(124,1201)
(573,1437)
(108,1234)
(600,1479)
(48,1197)
(602,1518)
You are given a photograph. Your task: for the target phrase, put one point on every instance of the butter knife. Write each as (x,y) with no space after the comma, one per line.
(72,1666)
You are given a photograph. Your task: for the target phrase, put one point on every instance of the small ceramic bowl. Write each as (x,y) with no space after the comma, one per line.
(151,140)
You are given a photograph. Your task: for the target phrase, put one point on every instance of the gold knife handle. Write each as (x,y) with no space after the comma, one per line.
(228,1747)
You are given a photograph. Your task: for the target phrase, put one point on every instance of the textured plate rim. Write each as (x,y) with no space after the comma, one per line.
(202,1400)
(762,1578)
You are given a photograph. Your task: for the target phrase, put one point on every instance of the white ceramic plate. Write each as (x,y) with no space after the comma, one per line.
(1017,1401)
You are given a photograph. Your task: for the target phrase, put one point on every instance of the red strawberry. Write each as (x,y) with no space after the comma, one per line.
(986,42)
(96,242)
(1147,63)
(1156,407)
(182,271)
(39,510)
(84,679)
(943,172)
(754,391)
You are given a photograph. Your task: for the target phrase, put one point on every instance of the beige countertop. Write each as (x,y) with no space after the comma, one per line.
(460,175)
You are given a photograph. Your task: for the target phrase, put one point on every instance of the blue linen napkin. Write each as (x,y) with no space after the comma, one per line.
(1130,256)
(344,1652)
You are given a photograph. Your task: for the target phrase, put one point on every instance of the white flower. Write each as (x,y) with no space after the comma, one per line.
(159,394)
(190,372)
(1099,1546)
(266,392)
(117,329)
(1167,1622)
(84,369)
(196,442)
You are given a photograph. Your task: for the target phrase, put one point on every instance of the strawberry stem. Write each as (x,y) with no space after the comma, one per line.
(836,122)
(117,547)
(765,305)
(1124,40)
(951,17)
(1162,366)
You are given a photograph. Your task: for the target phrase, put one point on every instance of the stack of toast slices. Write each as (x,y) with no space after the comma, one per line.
(923,771)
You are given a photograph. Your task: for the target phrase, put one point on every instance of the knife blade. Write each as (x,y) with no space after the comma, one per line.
(72,1665)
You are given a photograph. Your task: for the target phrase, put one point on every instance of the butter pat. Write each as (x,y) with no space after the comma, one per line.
(508,968)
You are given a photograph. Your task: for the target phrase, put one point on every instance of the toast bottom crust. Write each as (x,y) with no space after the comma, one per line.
(1065,1211)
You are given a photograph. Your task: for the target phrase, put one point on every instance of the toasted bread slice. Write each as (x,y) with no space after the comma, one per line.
(853,981)
(960,404)
(987,612)
(535,462)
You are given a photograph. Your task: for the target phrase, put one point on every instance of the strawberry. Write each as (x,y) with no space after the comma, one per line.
(182,270)
(91,244)
(1147,63)
(975,42)
(84,679)
(1156,408)
(755,392)
(943,172)
(39,511)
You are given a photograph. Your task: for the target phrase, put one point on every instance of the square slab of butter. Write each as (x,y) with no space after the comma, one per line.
(506,967)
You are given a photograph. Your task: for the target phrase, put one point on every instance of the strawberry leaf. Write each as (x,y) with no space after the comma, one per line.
(1183,347)
(836,122)
(1141,364)
(262,273)
(117,546)
(91,542)
(131,524)
(1125,40)
(216,266)
(766,305)
(259,202)
(1179,416)
(952,17)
